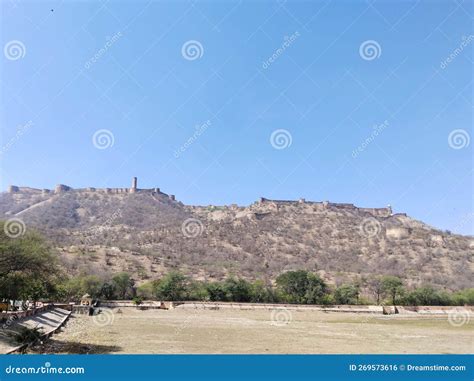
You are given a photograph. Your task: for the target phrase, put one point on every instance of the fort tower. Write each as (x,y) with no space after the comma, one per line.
(133,189)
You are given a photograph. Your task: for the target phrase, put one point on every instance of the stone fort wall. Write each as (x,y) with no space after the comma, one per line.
(378,212)
(61,188)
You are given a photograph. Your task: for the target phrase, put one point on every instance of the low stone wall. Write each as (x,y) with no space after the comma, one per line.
(272,306)
(385,310)
(434,310)
(129,303)
(44,336)
(4,316)
(373,309)
(147,304)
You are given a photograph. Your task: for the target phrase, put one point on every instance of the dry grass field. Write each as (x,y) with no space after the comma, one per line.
(246,331)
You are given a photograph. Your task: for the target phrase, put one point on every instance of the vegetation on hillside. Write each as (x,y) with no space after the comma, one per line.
(30,271)
(142,233)
(28,268)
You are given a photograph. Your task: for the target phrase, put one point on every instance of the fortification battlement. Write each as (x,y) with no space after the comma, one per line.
(378,212)
(61,188)
(17,189)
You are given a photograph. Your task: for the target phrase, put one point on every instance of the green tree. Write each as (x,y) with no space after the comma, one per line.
(375,285)
(216,292)
(301,286)
(428,296)
(107,290)
(347,294)
(92,285)
(316,289)
(146,290)
(197,291)
(26,262)
(238,290)
(393,286)
(464,297)
(172,286)
(262,293)
(123,284)
(35,290)
(293,284)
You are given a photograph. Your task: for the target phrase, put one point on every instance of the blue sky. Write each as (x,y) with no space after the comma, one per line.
(367,102)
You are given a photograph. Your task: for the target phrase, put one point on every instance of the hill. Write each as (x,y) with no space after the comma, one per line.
(147,232)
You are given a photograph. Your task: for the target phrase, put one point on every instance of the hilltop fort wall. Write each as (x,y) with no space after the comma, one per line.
(378,212)
(61,188)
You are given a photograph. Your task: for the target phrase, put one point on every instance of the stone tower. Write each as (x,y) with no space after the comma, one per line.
(60,188)
(133,189)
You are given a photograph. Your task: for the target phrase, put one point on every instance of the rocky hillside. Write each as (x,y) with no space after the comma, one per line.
(147,233)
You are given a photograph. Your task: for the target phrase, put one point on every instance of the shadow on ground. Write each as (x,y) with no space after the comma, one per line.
(72,347)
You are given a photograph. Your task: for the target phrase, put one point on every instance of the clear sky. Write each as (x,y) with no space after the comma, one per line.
(220,102)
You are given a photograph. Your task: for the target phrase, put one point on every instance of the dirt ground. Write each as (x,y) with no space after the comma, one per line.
(259,331)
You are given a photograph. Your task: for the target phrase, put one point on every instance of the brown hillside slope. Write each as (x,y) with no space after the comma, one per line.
(148,233)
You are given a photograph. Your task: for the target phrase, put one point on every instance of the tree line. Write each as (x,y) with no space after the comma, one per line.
(30,271)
